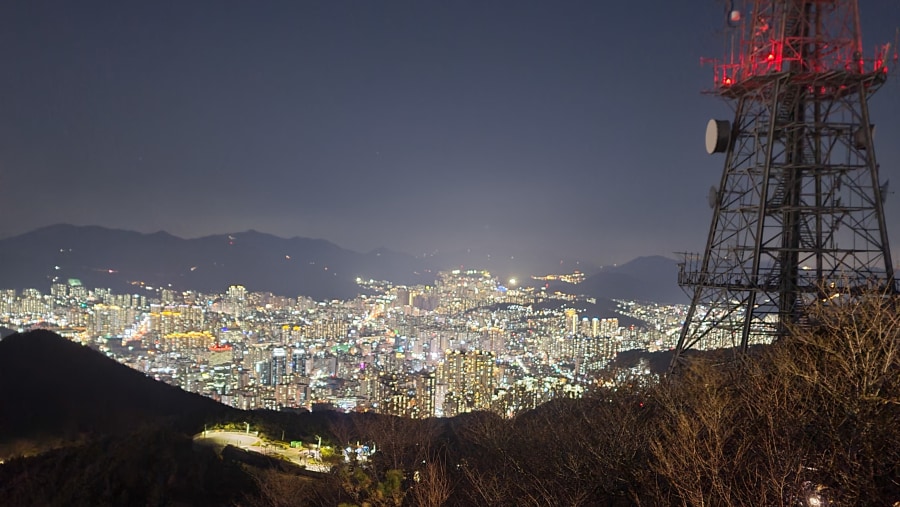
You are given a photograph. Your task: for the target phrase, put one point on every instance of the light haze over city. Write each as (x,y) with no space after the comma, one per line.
(575,128)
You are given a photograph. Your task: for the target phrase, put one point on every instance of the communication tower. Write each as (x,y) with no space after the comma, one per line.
(797,215)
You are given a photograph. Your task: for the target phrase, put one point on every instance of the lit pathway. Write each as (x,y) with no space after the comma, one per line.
(251,442)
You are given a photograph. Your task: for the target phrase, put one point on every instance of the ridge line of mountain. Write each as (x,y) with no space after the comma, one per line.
(126,260)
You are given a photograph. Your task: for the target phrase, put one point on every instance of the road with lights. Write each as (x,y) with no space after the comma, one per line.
(249,441)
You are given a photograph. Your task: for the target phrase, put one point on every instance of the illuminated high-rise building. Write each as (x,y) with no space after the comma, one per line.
(571,320)
(609,327)
(468,380)
(59,291)
(426,390)
(109,320)
(235,300)
(279,366)
(584,327)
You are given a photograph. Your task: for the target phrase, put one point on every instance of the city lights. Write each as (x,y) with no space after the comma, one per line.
(461,344)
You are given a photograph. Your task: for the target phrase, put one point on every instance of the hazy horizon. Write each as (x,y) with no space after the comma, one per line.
(500,249)
(574,128)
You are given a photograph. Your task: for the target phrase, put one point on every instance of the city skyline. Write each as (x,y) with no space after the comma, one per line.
(463,343)
(575,128)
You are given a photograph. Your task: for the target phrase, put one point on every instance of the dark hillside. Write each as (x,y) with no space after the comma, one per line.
(154,467)
(53,387)
(651,278)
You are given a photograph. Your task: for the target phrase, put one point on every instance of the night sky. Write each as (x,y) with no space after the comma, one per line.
(567,126)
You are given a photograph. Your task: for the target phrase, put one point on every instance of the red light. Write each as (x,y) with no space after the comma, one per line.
(727,81)
(771,57)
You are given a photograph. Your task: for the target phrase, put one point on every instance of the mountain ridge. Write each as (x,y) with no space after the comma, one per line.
(98,396)
(127,261)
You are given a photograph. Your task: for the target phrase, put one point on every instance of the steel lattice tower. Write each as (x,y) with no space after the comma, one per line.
(797,216)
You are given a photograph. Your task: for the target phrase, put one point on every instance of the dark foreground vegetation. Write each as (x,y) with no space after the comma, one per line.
(812,420)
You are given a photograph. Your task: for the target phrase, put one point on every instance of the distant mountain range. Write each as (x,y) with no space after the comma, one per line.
(125,261)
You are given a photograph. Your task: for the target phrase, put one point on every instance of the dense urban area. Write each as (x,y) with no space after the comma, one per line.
(469,342)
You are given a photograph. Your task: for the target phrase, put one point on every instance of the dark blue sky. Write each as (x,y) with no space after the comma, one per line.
(568,126)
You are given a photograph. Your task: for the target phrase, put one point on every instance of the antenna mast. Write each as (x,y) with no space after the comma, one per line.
(798,215)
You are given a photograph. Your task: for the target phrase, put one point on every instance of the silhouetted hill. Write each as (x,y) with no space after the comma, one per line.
(95,432)
(155,466)
(652,278)
(122,260)
(52,387)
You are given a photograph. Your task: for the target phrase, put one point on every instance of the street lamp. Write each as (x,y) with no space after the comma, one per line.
(814,495)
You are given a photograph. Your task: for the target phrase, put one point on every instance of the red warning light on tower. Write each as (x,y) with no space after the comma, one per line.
(802,37)
(799,150)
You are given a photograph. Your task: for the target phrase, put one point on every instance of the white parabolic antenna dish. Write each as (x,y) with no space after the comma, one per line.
(717,135)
